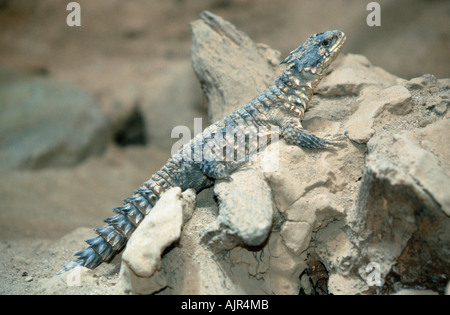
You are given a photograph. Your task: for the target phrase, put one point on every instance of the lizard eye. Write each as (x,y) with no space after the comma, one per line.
(325,42)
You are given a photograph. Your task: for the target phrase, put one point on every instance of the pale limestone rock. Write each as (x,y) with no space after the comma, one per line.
(425,168)
(284,267)
(129,282)
(342,285)
(244,62)
(316,208)
(245,211)
(397,204)
(159,229)
(351,74)
(296,236)
(399,100)
(425,80)
(370,105)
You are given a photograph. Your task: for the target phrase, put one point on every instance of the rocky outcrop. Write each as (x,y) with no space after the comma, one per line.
(370,217)
(212,39)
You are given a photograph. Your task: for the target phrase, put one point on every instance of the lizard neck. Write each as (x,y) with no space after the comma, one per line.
(298,88)
(290,94)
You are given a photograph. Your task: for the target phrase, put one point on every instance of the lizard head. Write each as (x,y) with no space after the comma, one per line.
(317,53)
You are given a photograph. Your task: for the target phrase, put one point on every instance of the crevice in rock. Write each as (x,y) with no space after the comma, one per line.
(133,131)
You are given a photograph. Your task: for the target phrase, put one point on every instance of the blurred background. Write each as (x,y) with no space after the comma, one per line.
(86,112)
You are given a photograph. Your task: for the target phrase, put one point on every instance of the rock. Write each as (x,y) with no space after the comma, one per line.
(45,123)
(159,229)
(284,267)
(427,80)
(371,103)
(387,199)
(441,108)
(444,83)
(296,236)
(400,220)
(301,193)
(244,62)
(382,225)
(400,100)
(426,170)
(342,285)
(28,279)
(190,268)
(245,212)
(351,73)
(131,283)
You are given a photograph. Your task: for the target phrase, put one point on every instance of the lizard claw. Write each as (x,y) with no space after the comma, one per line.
(228,178)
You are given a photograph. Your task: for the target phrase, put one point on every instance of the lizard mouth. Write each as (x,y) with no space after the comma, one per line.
(331,54)
(339,43)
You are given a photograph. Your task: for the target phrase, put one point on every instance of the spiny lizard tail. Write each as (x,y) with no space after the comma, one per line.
(282,104)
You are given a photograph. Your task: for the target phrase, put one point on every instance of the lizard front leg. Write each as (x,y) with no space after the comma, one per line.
(293,132)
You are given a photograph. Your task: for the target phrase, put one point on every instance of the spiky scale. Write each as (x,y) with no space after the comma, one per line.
(121,224)
(101,247)
(139,202)
(131,212)
(114,238)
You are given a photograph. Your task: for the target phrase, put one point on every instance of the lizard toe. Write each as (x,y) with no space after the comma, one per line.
(335,140)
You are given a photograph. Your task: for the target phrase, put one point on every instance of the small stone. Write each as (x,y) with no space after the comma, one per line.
(425,121)
(296,236)
(429,78)
(400,100)
(421,82)
(433,90)
(441,108)
(28,279)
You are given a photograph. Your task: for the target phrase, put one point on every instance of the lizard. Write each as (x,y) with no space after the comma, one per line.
(283,104)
